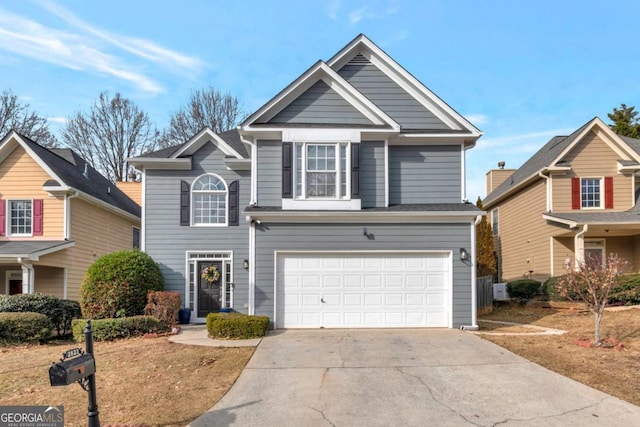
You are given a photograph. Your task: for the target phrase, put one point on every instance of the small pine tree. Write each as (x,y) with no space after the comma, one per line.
(625,121)
(485,253)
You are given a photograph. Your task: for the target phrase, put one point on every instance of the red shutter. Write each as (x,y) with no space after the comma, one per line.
(3,217)
(37,217)
(575,193)
(608,192)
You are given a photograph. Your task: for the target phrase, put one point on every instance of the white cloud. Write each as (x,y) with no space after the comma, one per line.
(60,120)
(396,38)
(521,142)
(81,47)
(332,9)
(358,15)
(477,119)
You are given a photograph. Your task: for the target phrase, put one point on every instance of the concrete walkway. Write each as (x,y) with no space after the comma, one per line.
(197,335)
(413,377)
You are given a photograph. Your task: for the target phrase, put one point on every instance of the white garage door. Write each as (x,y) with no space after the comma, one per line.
(363,290)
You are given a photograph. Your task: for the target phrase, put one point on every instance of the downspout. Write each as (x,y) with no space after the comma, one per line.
(254,170)
(579,251)
(547,190)
(474,278)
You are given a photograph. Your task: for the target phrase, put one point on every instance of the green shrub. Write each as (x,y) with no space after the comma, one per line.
(627,290)
(164,306)
(117,284)
(59,311)
(236,326)
(121,327)
(24,328)
(523,288)
(550,290)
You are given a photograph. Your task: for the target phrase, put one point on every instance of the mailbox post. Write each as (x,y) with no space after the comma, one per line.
(78,366)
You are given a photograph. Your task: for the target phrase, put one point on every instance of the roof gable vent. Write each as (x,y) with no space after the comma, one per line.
(359,59)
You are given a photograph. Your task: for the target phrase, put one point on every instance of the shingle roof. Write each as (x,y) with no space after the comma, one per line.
(539,160)
(630,216)
(425,207)
(28,247)
(231,137)
(69,167)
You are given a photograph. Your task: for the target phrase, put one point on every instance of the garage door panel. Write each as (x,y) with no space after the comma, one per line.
(363,290)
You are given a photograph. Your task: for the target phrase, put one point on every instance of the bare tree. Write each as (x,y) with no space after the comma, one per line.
(591,282)
(111,131)
(17,116)
(206,107)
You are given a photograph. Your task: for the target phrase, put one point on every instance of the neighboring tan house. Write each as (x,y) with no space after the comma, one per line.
(57,216)
(339,203)
(577,195)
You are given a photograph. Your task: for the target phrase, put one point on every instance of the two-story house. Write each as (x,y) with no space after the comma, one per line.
(339,203)
(57,215)
(577,195)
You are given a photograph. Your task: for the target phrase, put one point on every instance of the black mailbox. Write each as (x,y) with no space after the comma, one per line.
(71,370)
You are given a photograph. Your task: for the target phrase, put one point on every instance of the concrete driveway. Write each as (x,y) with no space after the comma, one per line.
(418,377)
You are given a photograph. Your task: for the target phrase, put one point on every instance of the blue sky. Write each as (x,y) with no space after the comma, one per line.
(520,71)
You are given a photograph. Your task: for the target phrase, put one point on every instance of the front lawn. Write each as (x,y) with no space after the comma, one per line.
(139,381)
(614,371)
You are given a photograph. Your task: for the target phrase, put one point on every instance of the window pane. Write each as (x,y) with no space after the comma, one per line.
(343,170)
(590,193)
(321,184)
(20,217)
(209,208)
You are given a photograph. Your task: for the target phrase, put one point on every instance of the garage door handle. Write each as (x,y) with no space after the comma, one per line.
(322,300)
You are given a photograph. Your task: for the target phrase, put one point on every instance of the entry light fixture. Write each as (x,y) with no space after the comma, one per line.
(464,255)
(365,232)
(245,264)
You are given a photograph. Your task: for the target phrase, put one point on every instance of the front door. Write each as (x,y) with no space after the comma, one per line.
(209,291)
(15,286)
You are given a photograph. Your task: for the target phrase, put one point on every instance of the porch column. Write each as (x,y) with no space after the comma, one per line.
(578,246)
(28,283)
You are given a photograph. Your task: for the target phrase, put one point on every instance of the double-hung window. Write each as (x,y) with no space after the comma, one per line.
(20,217)
(591,193)
(209,195)
(321,170)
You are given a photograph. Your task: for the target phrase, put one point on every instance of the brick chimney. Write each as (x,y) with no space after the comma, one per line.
(495,177)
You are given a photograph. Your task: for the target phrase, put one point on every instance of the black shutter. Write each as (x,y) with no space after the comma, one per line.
(287,170)
(355,171)
(234,203)
(184,203)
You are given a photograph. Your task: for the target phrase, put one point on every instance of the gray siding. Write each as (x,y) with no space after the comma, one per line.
(424,174)
(390,97)
(372,174)
(269,173)
(340,237)
(167,242)
(320,105)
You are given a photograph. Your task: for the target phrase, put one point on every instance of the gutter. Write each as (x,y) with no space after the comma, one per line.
(547,190)
(253,199)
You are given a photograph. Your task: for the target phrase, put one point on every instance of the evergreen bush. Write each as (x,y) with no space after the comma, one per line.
(117,284)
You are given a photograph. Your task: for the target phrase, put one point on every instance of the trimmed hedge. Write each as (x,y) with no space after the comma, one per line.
(164,306)
(60,311)
(236,326)
(117,284)
(523,288)
(550,290)
(24,328)
(121,327)
(627,290)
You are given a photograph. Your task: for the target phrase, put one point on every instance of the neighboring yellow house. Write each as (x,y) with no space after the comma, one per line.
(57,216)
(577,195)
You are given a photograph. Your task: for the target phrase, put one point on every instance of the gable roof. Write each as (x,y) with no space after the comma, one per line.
(67,168)
(230,140)
(320,71)
(442,118)
(550,156)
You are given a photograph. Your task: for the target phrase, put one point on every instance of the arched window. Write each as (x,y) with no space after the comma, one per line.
(209,200)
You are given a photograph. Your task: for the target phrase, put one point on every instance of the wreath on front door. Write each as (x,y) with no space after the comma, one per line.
(211,274)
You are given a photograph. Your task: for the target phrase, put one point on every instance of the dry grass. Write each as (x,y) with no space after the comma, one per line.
(139,381)
(610,370)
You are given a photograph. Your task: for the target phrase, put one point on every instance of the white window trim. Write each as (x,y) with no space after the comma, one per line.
(9,274)
(303,148)
(8,217)
(193,257)
(601,180)
(192,204)
(590,244)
